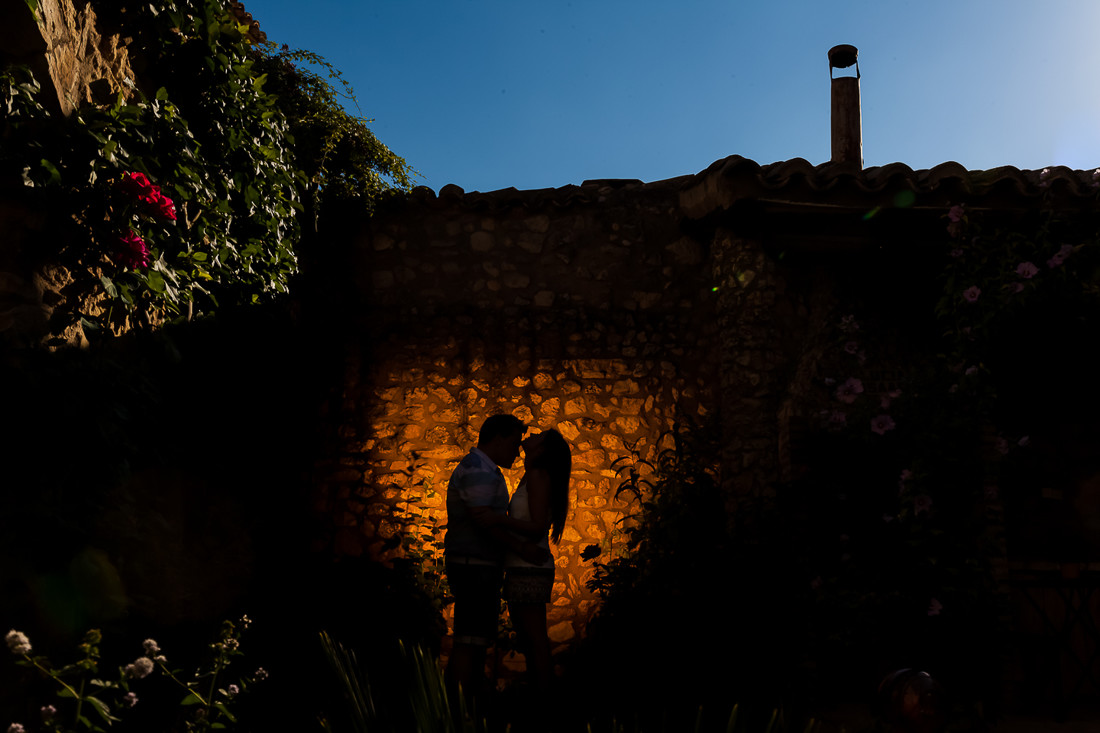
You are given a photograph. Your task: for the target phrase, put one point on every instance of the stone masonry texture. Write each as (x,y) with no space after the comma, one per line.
(585,309)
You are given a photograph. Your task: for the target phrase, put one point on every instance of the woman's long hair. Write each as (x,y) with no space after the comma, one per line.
(557,461)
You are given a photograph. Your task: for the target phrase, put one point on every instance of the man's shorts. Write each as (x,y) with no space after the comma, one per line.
(476,589)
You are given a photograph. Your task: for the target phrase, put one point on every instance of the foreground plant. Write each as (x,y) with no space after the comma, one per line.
(81,685)
(83,691)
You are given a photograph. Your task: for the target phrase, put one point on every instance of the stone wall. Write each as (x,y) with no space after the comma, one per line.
(86,63)
(586,309)
(77,62)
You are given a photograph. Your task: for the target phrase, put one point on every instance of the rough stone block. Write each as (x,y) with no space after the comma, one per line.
(575,407)
(482,241)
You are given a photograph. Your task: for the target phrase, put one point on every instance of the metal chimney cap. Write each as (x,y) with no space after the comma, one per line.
(842,56)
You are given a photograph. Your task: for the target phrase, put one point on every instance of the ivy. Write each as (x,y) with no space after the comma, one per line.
(230,138)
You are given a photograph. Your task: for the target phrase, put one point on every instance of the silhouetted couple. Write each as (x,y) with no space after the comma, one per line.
(496,542)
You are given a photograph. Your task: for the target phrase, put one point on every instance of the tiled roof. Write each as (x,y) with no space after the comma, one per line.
(245,18)
(588,192)
(798,181)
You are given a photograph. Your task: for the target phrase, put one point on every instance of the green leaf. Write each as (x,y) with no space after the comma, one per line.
(191,699)
(156,282)
(102,709)
(55,175)
(225,711)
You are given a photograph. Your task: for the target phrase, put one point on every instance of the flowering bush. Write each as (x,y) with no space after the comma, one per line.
(187,201)
(907,465)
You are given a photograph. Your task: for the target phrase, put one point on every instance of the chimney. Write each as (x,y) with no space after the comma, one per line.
(847,128)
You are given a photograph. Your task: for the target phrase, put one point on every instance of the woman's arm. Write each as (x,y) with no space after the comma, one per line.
(538,502)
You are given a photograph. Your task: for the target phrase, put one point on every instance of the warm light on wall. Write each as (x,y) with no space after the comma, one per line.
(423,419)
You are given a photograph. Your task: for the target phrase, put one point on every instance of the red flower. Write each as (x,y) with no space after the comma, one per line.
(135,184)
(134,253)
(164,208)
(156,204)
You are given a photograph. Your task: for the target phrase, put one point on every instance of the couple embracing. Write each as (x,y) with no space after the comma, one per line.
(496,542)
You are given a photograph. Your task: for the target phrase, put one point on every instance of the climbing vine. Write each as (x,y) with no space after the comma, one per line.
(184,195)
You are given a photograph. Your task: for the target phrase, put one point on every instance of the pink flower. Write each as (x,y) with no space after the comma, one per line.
(848,324)
(851,347)
(848,391)
(934,607)
(971,294)
(1015,287)
(882,424)
(837,417)
(1060,256)
(955,213)
(921,504)
(134,253)
(1002,446)
(1024,442)
(1027,270)
(956,253)
(130,699)
(971,371)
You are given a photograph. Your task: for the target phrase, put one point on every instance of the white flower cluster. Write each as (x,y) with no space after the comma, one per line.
(140,668)
(18,642)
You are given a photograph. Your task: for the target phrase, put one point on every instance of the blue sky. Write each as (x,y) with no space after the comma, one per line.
(489,94)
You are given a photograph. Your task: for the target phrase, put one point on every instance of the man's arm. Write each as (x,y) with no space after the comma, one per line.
(477,491)
(529,551)
(538,503)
